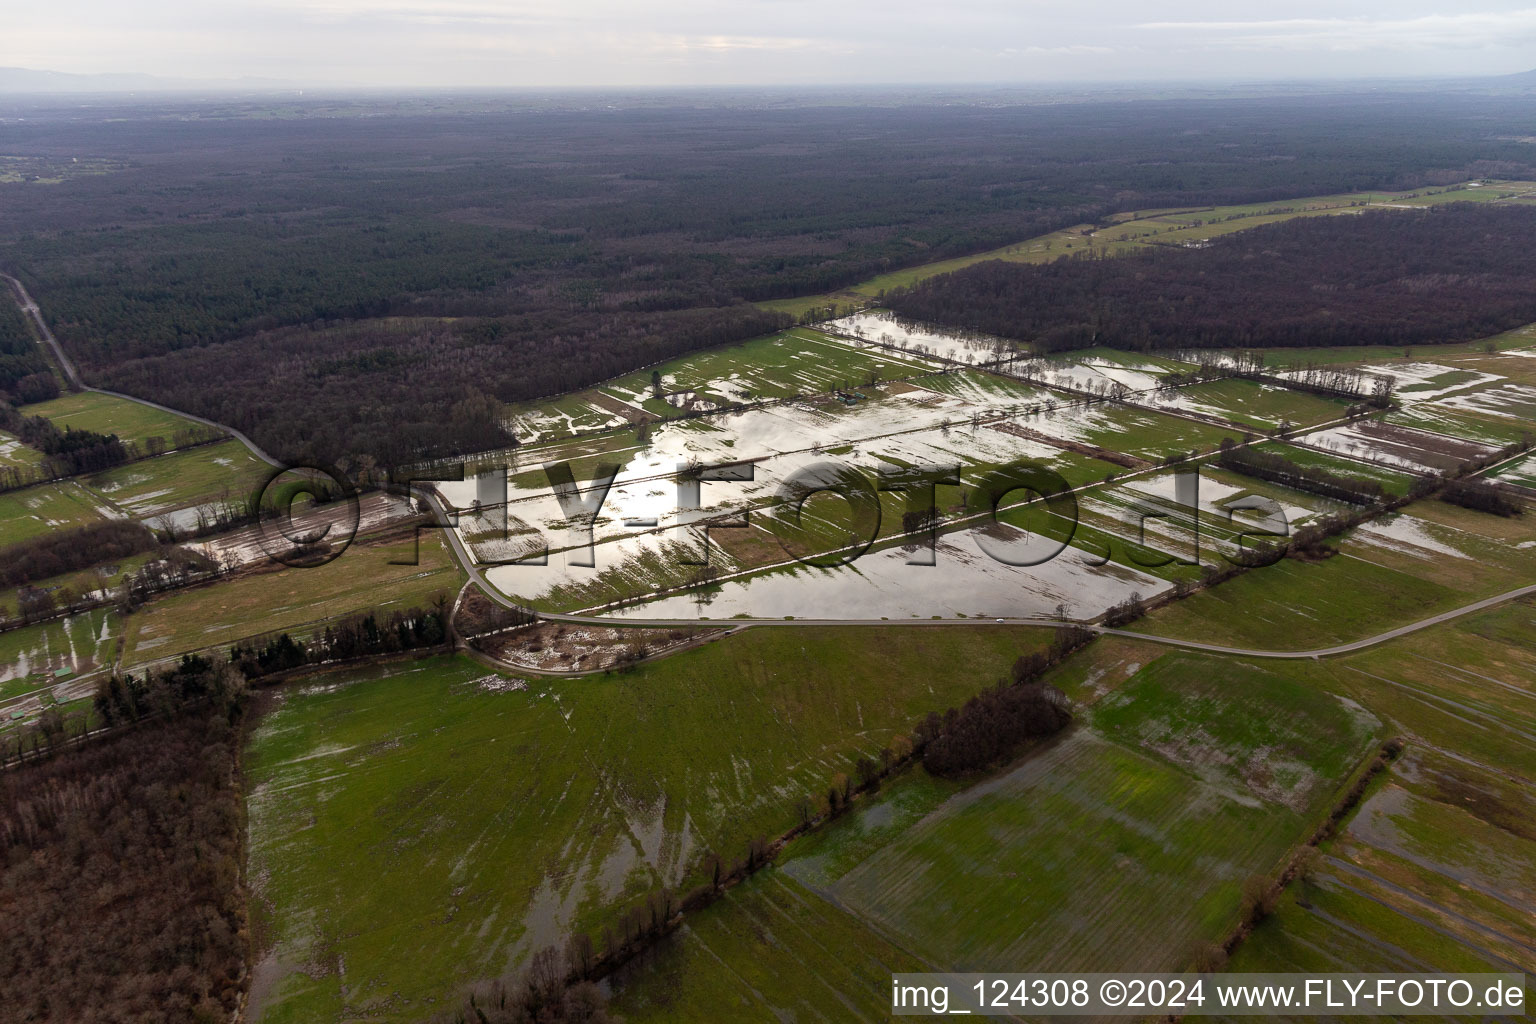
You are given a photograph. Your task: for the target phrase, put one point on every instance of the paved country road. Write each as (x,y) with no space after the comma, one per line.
(32,311)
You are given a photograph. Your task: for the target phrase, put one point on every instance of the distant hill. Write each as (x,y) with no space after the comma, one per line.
(27,80)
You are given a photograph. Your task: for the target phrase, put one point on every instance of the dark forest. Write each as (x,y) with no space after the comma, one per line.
(295,276)
(1451,273)
(120,878)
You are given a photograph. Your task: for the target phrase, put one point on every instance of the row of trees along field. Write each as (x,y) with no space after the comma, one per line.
(1390,277)
(72,452)
(67,551)
(67,452)
(989,728)
(171,566)
(1276,468)
(356,636)
(315,288)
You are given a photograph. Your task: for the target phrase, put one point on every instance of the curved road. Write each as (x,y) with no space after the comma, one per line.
(30,308)
(467,562)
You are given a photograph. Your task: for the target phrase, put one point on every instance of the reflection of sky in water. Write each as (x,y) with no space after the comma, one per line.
(886,328)
(901,427)
(965,581)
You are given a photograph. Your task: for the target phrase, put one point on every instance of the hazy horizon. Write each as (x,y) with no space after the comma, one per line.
(410,44)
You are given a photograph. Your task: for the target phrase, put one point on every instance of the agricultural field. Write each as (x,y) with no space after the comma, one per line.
(1180,782)
(1396,446)
(1436,869)
(387,575)
(1432,872)
(1052,412)
(1465,686)
(732,962)
(169,488)
(1248,403)
(41,509)
(803,361)
(31,656)
(1125,840)
(107,414)
(1419,881)
(1429,558)
(1466,399)
(1393,481)
(1521,472)
(418,826)
(15,455)
(1047,410)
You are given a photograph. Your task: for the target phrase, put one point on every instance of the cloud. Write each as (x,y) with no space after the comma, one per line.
(1075,50)
(405,43)
(1466,30)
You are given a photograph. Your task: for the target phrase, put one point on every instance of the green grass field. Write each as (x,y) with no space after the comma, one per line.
(298,600)
(42,509)
(1262,407)
(1392,481)
(775,951)
(1144,433)
(1005,873)
(1294,605)
(218,472)
(794,362)
(1521,472)
(104,414)
(1434,872)
(1120,846)
(1194,774)
(15,455)
(414,831)
(798,361)
(1384,576)
(1466,686)
(1491,430)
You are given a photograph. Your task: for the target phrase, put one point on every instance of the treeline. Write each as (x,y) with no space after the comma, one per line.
(120,878)
(989,727)
(171,567)
(397,390)
(1276,468)
(552,990)
(205,253)
(355,637)
(1482,496)
(68,451)
(57,553)
(122,699)
(1346,382)
(1397,277)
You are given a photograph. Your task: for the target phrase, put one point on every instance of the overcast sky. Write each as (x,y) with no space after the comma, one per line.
(796,42)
